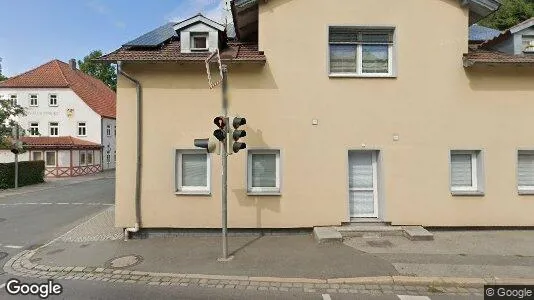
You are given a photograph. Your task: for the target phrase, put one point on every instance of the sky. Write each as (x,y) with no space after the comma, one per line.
(33,32)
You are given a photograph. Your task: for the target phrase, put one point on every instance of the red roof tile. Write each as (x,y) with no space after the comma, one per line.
(235,52)
(496,58)
(57,142)
(57,74)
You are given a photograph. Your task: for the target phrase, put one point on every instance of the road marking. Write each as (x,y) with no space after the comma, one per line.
(12,247)
(62,203)
(406,297)
(326,297)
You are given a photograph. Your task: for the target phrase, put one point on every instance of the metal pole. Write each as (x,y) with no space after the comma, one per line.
(16,157)
(224,158)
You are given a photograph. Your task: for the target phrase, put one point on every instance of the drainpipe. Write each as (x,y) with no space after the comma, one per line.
(137,201)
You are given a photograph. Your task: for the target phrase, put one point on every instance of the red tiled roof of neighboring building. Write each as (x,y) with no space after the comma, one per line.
(57,142)
(496,58)
(235,52)
(57,74)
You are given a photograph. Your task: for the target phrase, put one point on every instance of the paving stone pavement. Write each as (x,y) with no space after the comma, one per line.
(20,265)
(99,228)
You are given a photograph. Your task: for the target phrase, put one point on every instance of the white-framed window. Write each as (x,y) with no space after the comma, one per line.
(83,158)
(263,171)
(361,51)
(82,129)
(466,171)
(13,99)
(108,130)
(199,41)
(528,43)
(33,100)
(108,158)
(193,171)
(37,155)
(50,158)
(54,129)
(89,157)
(52,100)
(525,171)
(34,129)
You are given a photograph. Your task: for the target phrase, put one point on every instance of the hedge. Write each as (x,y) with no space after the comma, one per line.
(30,172)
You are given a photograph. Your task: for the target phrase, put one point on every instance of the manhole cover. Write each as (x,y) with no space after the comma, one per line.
(3,255)
(380,243)
(124,261)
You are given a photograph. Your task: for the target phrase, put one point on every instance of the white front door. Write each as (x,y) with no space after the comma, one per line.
(363,196)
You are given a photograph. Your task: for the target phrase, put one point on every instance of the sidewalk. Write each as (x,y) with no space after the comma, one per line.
(95,251)
(51,183)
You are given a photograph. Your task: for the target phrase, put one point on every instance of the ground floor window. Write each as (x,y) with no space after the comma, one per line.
(525,171)
(37,155)
(50,158)
(83,160)
(263,174)
(192,171)
(466,171)
(89,157)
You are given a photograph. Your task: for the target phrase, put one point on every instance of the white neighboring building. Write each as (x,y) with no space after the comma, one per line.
(66,110)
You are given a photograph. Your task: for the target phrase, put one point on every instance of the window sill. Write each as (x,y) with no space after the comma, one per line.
(350,75)
(183,193)
(264,194)
(467,193)
(526,192)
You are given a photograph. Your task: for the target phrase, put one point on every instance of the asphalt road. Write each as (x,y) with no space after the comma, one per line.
(32,219)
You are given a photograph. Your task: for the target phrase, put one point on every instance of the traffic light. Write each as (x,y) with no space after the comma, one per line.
(16,147)
(209,144)
(220,133)
(235,145)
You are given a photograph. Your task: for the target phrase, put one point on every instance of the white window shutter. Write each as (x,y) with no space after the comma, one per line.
(461,170)
(526,169)
(194,170)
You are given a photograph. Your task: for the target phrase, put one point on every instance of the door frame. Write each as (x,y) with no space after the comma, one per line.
(374,161)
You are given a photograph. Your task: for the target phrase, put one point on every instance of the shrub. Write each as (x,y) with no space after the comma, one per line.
(30,172)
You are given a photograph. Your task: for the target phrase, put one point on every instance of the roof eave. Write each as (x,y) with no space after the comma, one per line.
(480,9)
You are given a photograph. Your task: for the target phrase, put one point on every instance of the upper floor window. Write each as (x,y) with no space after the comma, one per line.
(199,41)
(528,43)
(361,51)
(82,129)
(52,100)
(54,129)
(34,129)
(13,99)
(108,130)
(33,100)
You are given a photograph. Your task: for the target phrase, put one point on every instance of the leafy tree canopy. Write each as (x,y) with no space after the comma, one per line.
(8,116)
(512,12)
(104,72)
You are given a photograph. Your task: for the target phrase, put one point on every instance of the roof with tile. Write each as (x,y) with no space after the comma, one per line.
(496,58)
(235,52)
(57,142)
(57,74)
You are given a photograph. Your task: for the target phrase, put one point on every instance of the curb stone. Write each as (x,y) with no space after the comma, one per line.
(20,265)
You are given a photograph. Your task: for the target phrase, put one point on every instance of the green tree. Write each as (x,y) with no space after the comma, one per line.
(8,114)
(512,12)
(104,72)
(2,77)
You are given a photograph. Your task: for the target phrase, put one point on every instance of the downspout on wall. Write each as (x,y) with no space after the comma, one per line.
(139,133)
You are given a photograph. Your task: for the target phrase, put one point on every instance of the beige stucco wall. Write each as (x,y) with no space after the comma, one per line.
(434,105)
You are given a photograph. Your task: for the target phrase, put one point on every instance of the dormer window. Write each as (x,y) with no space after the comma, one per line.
(199,41)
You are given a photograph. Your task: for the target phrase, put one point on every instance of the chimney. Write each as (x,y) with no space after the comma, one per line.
(72,63)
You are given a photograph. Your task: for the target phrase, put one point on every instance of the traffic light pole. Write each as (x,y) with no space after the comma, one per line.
(16,157)
(224,158)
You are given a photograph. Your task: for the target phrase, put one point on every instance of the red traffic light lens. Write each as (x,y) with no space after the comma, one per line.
(219,121)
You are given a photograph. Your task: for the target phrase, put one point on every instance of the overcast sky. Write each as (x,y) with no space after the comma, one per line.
(33,32)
